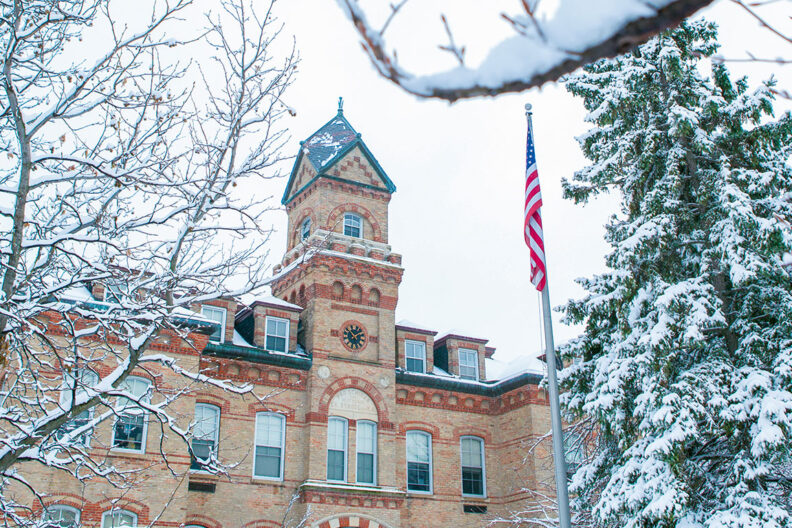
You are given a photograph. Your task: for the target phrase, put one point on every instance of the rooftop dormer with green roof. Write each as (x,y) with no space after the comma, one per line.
(337,186)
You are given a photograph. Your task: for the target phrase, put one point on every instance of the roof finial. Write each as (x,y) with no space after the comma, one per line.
(340,105)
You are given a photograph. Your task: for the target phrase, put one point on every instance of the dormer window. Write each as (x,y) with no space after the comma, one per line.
(305,229)
(415,356)
(468,364)
(353,225)
(218,316)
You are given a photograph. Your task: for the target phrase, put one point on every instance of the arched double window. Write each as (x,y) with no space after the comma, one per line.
(305,228)
(61,516)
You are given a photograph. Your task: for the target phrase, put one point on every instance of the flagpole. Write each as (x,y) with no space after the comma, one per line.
(562,495)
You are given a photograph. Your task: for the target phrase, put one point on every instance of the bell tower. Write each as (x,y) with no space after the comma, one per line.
(338,265)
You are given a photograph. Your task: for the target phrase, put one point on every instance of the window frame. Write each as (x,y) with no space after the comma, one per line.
(66,403)
(345,424)
(356,217)
(64,507)
(133,410)
(110,513)
(483,466)
(305,228)
(358,452)
(215,440)
(407,343)
(209,307)
(476,363)
(407,457)
(267,334)
(282,446)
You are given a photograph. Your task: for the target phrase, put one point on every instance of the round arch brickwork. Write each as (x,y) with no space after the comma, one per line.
(349,520)
(353,382)
(334,215)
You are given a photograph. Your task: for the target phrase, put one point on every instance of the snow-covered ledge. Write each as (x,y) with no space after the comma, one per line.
(321,238)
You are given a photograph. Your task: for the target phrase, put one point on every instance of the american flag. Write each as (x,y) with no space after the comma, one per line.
(533,217)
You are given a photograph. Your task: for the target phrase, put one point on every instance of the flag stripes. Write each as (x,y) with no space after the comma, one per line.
(532,225)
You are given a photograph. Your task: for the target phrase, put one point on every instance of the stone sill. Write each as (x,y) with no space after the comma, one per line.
(341,487)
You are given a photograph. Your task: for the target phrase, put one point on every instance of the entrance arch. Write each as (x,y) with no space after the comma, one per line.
(349,520)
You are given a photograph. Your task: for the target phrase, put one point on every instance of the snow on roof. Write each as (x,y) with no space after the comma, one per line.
(404,323)
(274,301)
(457,333)
(328,141)
(238,340)
(500,370)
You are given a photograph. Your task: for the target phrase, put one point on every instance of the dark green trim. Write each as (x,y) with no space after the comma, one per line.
(489,388)
(258,355)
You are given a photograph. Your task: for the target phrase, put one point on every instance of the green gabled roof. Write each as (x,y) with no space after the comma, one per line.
(325,147)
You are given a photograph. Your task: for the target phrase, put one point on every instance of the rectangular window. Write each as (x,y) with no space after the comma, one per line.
(270,436)
(205,434)
(468,364)
(336,449)
(472,451)
(277,334)
(419,461)
(366,442)
(74,387)
(353,225)
(129,431)
(217,315)
(415,356)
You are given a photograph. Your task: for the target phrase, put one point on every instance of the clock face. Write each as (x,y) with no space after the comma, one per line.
(354,337)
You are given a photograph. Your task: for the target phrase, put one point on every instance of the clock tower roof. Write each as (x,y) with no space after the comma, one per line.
(326,147)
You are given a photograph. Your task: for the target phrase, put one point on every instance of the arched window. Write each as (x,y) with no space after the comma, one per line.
(119,519)
(337,449)
(374,297)
(356,293)
(61,516)
(129,431)
(419,461)
(205,434)
(338,290)
(305,229)
(473,472)
(74,387)
(353,225)
(269,442)
(366,443)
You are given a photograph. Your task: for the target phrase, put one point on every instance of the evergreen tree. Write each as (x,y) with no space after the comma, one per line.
(685,363)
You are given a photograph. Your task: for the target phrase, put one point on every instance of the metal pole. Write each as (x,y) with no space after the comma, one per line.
(562,494)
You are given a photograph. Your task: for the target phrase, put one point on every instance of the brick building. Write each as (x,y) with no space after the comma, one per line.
(360,422)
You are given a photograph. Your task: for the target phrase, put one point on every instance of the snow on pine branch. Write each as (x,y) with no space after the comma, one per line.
(542,46)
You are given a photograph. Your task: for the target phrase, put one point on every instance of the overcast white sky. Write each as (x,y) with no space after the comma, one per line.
(456,216)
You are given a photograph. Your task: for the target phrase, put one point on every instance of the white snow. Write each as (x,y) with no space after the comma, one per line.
(409,324)
(501,370)
(238,340)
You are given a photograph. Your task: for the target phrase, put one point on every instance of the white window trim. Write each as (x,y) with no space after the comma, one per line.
(305,223)
(66,403)
(77,512)
(137,410)
(357,450)
(111,512)
(216,430)
(282,446)
(483,466)
(266,335)
(222,324)
(413,341)
(407,464)
(346,448)
(360,219)
(459,362)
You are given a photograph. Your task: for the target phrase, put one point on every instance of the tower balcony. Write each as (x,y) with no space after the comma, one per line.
(329,242)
